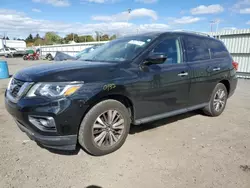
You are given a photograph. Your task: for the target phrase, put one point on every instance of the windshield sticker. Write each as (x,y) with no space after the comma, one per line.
(136,42)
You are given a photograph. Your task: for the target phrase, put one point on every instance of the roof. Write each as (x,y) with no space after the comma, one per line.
(158,33)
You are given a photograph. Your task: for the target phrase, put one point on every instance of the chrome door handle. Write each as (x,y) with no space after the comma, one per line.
(183,74)
(216,69)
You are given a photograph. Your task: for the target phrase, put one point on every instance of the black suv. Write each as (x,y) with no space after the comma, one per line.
(135,79)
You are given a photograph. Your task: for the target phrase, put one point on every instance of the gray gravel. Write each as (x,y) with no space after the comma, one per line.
(189,150)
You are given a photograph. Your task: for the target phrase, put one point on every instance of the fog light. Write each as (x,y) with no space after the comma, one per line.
(43,123)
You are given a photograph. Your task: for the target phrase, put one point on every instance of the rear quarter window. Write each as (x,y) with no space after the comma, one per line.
(196,48)
(217,49)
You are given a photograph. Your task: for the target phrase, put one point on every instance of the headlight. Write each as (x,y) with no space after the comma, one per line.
(10,82)
(53,90)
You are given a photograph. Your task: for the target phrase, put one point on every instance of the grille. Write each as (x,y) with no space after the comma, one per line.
(15,87)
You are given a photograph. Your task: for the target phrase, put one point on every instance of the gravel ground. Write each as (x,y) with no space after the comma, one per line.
(190,150)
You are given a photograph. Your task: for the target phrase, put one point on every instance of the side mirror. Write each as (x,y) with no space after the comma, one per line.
(158,58)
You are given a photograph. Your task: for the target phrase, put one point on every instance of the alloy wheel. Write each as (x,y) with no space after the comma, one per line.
(108,128)
(219,100)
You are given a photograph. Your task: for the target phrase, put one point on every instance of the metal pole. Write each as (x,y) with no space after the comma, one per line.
(129,11)
(217,27)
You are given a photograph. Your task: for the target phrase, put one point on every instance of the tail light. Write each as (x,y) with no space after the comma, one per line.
(235,65)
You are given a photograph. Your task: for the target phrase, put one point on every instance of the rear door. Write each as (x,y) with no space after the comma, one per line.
(205,70)
(198,59)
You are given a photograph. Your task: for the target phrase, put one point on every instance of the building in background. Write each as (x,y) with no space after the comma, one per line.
(237,42)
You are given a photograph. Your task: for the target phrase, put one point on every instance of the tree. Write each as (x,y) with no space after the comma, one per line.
(52,38)
(37,36)
(29,39)
(113,37)
(71,37)
(39,41)
(7,38)
(14,38)
(86,38)
(105,37)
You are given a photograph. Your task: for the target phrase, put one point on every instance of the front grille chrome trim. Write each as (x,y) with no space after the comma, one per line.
(22,91)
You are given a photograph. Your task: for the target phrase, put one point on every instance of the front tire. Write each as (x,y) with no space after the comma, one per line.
(104,128)
(217,102)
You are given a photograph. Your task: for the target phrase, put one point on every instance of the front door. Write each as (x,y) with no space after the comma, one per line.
(164,87)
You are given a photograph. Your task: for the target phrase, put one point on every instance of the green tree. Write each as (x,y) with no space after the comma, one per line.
(39,41)
(86,38)
(113,37)
(37,36)
(29,39)
(105,37)
(71,37)
(52,38)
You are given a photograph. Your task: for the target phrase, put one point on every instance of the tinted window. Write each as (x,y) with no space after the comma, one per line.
(196,48)
(171,48)
(217,49)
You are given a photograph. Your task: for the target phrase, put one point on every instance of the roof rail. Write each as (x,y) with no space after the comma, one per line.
(194,32)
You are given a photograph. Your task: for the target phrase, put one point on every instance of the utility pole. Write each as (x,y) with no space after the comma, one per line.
(129,12)
(211,26)
(215,22)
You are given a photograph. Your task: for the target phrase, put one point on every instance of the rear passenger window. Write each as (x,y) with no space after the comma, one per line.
(217,49)
(196,48)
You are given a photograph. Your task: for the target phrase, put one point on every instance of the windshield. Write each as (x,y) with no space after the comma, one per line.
(85,51)
(124,49)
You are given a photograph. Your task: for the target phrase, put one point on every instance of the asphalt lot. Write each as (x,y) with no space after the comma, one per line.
(190,150)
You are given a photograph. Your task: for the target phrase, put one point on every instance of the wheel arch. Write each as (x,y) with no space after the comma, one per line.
(227,85)
(126,101)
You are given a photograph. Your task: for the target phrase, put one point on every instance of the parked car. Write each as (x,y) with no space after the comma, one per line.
(7,52)
(86,51)
(134,79)
(61,56)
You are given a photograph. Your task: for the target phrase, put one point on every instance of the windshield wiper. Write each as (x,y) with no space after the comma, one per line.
(87,60)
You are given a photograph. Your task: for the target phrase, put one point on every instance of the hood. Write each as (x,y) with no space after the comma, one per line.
(67,71)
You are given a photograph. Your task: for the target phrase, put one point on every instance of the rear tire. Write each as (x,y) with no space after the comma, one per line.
(217,102)
(109,118)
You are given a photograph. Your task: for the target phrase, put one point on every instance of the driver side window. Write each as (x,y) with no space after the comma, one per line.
(171,48)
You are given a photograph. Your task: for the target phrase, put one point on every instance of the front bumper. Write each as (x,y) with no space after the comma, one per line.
(67,114)
(53,142)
